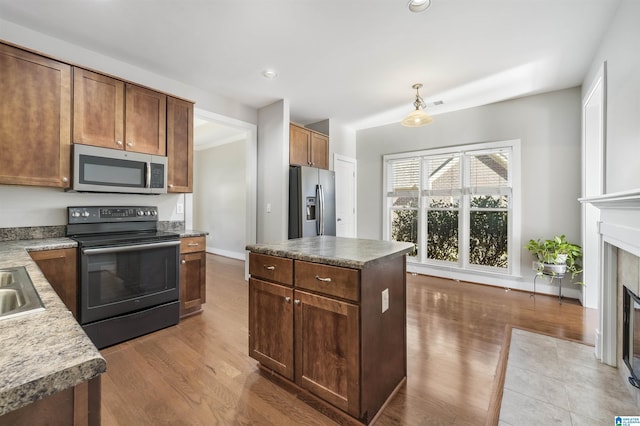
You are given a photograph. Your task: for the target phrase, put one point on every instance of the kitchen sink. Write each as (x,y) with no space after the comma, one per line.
(18,296)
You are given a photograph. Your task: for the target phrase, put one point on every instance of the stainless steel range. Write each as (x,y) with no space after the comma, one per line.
(128,272)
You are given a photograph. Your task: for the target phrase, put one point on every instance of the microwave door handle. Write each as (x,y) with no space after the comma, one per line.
(148,180)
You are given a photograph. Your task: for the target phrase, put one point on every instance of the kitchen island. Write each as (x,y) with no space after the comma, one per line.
(327,319)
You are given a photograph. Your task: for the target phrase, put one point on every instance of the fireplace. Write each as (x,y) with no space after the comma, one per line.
(618,335)
(631,335)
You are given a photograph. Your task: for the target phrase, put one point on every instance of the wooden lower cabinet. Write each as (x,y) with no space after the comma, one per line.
(59,267)
(326,333)
(271,304)
(327,352)
(193,275)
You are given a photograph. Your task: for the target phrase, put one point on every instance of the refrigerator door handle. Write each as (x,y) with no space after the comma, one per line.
(320,222)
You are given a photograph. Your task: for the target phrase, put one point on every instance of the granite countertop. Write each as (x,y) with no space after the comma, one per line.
(354,253)
(191,233)
(44,352)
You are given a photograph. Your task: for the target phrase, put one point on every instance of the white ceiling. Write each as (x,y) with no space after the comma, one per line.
(351,61)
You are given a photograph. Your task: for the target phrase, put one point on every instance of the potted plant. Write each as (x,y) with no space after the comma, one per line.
(556,256)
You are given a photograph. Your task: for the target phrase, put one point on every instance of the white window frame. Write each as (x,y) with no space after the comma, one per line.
(463,271)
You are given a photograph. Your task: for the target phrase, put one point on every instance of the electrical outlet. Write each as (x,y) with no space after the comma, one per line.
(385,300)
(268,207)
(180,208)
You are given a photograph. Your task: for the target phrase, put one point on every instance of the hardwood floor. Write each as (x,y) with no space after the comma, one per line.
(199,373)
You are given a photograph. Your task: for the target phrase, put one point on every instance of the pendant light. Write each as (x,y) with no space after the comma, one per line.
(417,117)
(417,6)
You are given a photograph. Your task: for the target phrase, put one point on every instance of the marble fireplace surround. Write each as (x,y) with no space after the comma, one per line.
(619,228)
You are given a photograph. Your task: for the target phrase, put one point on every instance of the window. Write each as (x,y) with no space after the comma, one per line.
(456,205)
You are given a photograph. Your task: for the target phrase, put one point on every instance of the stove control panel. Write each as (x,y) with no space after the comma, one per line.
(97,214)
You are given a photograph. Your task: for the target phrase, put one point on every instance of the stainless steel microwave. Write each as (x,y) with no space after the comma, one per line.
(97,169)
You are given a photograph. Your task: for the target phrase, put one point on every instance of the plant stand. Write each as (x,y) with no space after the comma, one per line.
(553,276)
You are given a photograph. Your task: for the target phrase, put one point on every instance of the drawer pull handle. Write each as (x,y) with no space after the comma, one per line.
(193,244)
(324,280)
(287,299)
(183,261)
(297,301)
(269,267)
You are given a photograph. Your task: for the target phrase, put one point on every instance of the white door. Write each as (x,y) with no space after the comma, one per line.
(345,171)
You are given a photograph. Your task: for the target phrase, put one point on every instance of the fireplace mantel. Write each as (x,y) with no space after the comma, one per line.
(615,200)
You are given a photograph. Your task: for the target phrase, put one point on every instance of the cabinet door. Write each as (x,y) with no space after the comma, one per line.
(271,326)
(319,151)
(299,140)
(193,273)
(180,145)
(327,350)
(59,268)
(145,120)
(98,109)
(35,119)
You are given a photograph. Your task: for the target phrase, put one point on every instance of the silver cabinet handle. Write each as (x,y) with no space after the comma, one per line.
(129,143)
(65,179)
(170,185)
(193,244)
(119,143)
(287,299)
(297,301)
(269,267)
(183,261)
(324,280)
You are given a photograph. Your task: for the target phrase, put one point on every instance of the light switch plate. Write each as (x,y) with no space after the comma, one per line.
(385,300)
(179,208)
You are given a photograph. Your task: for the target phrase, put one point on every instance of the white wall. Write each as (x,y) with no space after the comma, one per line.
(34,206)
(220,197)
(548,126)
(619,48)
(273,172)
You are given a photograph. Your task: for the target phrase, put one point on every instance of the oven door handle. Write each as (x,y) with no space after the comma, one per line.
(135,247)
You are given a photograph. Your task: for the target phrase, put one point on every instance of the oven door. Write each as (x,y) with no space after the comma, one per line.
(124,279)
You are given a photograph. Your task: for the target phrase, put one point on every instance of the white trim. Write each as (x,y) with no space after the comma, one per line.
(226,253)
(251,170)
(515,221)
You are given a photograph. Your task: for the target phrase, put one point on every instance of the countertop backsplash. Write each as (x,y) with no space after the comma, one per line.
(57,231)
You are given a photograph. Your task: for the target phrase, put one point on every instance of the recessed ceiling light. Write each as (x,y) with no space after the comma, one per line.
(269,74)
(419,5)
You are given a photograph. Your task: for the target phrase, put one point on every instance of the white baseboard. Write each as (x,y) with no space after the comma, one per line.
(543,286)
(227,253)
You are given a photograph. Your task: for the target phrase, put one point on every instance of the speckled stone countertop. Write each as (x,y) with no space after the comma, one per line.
(44,352)
(191,233)
(354,253)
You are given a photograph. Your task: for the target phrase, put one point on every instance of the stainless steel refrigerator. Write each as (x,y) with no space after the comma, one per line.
(312,202)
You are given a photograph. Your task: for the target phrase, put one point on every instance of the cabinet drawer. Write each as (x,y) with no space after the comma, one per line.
(192,244)
(271,268)
(330,280)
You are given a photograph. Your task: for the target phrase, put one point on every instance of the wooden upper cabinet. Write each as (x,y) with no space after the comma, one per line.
(319,150)
(98,109)
(180,145)
(110,113)
(299,140)
(145,120)
(308,147)
(35,119)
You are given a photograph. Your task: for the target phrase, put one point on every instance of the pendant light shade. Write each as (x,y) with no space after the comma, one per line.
(417,6)
(417,117)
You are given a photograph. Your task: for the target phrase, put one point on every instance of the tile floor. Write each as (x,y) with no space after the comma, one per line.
(555,381)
